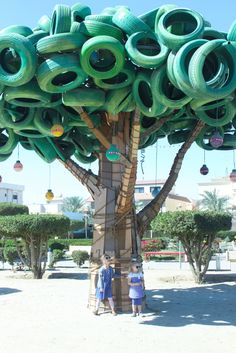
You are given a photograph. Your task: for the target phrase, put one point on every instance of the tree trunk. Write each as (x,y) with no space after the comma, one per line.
(115,227)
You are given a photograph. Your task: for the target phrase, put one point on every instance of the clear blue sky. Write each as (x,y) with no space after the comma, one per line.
(35,174)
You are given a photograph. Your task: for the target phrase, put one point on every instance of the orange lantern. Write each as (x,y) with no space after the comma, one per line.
(57,130)
(49,195)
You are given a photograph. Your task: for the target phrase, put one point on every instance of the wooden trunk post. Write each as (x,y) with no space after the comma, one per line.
(114,231)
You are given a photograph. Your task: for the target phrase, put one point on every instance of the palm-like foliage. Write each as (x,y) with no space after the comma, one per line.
(73,204)
(212,201)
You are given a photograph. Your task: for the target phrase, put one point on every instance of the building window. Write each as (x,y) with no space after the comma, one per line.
(139,190)
(154,190)
(15,198)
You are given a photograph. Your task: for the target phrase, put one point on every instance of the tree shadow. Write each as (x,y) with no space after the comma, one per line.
(5,290)
(68,275)
(207,305)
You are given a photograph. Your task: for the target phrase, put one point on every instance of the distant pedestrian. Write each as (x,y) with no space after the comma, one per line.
(104,285)
(136,290)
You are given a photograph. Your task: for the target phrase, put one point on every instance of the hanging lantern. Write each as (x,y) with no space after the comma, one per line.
(113,154)
(0,178)
(57,130)
(216,140)
(49,195)
(204,170)
(18,166)
(233,176)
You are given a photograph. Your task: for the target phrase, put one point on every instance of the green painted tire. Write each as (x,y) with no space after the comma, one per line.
(82,143)
(229,140)
(22,30)
(100,18)
(28,95)
(45,118)
(61,19)
(4,157)
(60,73)
(15,117)
(36,36)
(221,49)
(7,143)
(170,34)
(85,159)
(44,149)
(129,23)
(181,124)
(178,137)
(24,141)
(26,51)
(101,44)
(149,18)
(44,23)
(160,12)
(145,98)
(211,34)
(125,78)
(147,58)
(226,113)
(95,28)
(30,132)
(75,27)
(86,97)
(79,12)
(166,93)
(62,42)
(118,100)
(231,36)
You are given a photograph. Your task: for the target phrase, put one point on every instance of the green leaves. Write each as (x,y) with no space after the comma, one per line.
(11,209)
(34,225)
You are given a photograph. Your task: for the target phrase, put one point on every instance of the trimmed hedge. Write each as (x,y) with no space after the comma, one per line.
(11,209)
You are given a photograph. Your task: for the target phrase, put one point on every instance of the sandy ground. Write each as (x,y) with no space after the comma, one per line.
(50,316)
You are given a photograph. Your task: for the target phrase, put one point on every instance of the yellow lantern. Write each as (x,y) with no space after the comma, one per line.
(57,130)
(49,195)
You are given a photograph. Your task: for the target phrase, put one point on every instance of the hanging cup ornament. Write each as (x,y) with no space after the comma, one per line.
(216,140)
(233,176)
(113,154)
(18,166)
(57,130)
(49,195)
(204,170)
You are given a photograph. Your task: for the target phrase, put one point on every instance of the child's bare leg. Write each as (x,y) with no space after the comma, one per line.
(97,306)
(139,309)
(112,305)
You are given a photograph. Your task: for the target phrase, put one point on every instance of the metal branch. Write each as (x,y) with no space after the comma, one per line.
(156,126)
(149,212)
(100,136)
(87,178)
(126,193)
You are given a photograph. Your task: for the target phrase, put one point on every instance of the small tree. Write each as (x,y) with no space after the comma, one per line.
(79,257)
(34,231)
(12,209)
(197,232)
(213,202)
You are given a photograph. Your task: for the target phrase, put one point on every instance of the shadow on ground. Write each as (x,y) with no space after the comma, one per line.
(5,290)
(68,275)
(207,305)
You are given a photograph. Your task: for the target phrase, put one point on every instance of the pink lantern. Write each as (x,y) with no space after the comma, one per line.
(233,176)
(216,140)
(204,170)
(18,166)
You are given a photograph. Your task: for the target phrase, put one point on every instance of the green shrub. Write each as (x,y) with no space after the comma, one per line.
(79,257)
(57,255)
(57,246)
(12,209)
(10,255)
(65,243)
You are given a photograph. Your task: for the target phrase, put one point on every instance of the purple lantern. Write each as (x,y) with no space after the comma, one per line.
(233,176)
(216,140)
(204,170)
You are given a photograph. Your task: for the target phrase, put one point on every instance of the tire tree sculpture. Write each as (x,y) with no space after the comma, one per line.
(102,87)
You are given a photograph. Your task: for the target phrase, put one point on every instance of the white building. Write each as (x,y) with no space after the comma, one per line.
(11,193)
(224,188)
(52,207)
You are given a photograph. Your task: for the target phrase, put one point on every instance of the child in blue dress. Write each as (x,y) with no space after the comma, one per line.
(104,285)
(136,286)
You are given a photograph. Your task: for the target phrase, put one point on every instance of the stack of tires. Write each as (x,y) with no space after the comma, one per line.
(167,62)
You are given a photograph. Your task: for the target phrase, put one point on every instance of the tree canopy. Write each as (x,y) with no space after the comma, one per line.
(197,232)
(12,209)
(167,63)
(212,201)
(72,204)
